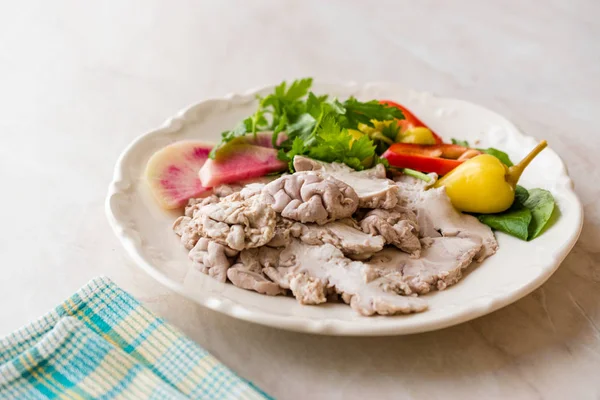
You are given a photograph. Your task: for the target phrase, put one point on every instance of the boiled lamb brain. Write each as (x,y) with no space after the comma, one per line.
(374,190)
(310,197)
(247,273)
(238,224)
(397,226)
(329,232)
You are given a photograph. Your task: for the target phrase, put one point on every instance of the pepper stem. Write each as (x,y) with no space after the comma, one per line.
(515,172)
(416,174)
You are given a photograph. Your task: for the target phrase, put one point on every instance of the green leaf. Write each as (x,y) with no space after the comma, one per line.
(240,130)
(541,204)
(298,89)
(514,222)
(361,148)
(332,143)
(283,107)
(380,160)
(338,107)
(354,163)
(363,112)
(297,148)
(500,155)
(280,89)
(302,127)
(463,143)
(257,122)
(316,125)
(527,217)
(521,195)
(391,131)
(283,121)
(313,105)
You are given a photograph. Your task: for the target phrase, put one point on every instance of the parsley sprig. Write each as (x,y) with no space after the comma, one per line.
(317,126)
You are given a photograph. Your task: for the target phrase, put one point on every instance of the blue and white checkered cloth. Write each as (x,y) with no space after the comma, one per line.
(102,344)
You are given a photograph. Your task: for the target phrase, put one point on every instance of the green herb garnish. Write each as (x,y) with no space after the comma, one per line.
(285,104)
(500,155)
(317,126)
(541,204)
(416,174)
(515,222)
(527,217)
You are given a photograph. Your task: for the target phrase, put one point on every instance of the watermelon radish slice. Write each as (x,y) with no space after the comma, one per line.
(238,161)
(172,172)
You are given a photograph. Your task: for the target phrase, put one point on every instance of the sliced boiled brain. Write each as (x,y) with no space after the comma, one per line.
(172,172)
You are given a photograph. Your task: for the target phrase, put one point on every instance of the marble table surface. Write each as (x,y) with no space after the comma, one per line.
(80,80)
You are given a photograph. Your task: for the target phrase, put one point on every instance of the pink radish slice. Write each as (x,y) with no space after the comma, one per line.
(237,162)
(172,172)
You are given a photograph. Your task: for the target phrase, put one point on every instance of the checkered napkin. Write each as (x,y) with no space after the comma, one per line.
(102,344)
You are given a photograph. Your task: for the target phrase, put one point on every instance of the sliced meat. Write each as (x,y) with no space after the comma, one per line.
(247,274)
(195,204)
(231,191)
(377,300)
(311,269)
(310,197)
(237,224)
(437,217)
(414,183)
(185,230)
(441,264)
(298,232)
(308,289)
(251,189)
(242,190)
(269,256)
(212,258)
(227,190)
(374,190)
(343,234)
(284,230)
(398,227)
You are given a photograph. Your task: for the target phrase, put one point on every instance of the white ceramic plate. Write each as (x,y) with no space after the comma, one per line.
(517,269)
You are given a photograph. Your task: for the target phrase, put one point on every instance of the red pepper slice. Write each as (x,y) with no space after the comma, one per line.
(444,150)
(425,158)
(410,120)
(440,166)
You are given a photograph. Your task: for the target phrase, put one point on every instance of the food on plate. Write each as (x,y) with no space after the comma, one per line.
(417,135)
(372,187)
(343,200)
(485,185)
(242,158)
(311,197)
(411,124)
(172,173)
(238,162)
(305,233)
(437,158)
(528,216)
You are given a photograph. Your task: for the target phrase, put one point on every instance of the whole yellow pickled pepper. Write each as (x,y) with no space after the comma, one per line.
(484,184)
